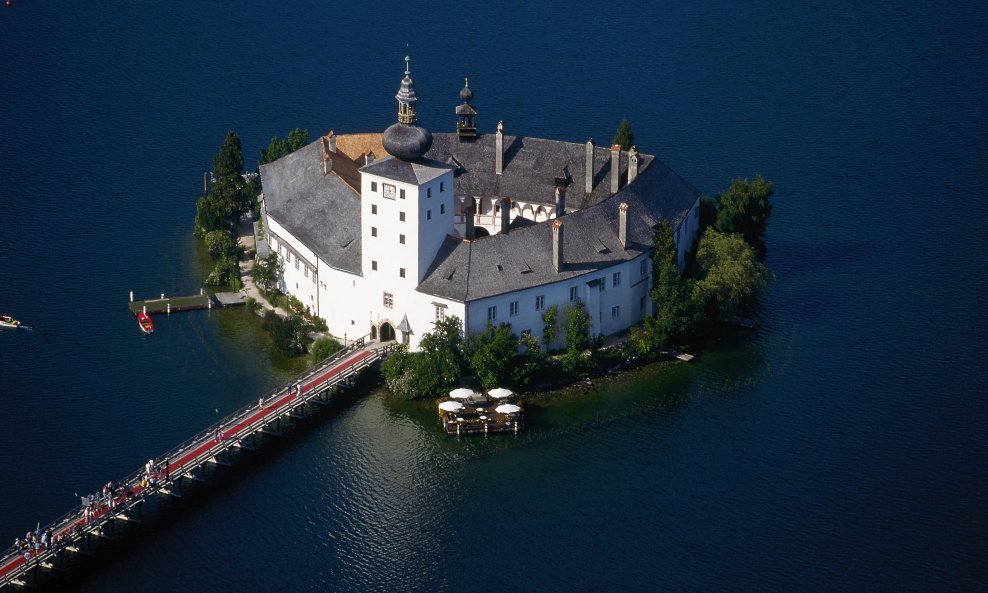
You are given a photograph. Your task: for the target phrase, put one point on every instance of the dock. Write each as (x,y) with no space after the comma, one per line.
(171,304)
(80,533)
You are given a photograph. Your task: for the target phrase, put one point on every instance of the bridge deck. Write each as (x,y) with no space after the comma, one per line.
(184,459)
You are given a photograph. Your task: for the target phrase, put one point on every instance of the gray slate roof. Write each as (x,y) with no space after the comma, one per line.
(469,270)
(322,211)
(419,171)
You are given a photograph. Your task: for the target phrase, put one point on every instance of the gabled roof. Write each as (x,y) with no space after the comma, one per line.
(322,211)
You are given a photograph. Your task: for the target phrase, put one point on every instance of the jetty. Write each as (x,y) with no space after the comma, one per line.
(171,304)
(78,533)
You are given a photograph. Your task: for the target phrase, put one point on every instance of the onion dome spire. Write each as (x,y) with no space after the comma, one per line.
(407,140)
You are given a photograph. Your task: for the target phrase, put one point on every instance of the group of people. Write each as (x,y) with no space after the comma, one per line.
(35,542)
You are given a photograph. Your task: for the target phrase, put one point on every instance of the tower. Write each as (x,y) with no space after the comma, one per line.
(407,140)
(466,124)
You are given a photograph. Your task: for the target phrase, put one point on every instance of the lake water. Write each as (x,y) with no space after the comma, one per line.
(840,446)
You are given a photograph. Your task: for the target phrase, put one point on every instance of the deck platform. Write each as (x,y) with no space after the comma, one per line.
(229,299)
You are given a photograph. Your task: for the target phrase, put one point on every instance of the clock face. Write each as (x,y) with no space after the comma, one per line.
(389,191)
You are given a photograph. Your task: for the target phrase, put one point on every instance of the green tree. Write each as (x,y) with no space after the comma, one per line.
(267,270)
(744,208)
(323,348)
(550,325)
(297,138)
(527,363)
(493,351)
(229,161)
(275,150)
(576,338)
(418,375)
(624,137)
(288,333)
(729,276)
(671,291)
(446,341)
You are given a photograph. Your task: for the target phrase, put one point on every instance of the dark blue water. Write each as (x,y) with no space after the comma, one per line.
(841,446)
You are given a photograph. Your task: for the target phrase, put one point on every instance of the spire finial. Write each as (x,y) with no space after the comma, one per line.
(466,82)
(408,68)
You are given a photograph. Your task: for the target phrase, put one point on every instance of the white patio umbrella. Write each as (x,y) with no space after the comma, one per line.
(451,406)
(500,393)
(507,409)
(461,393)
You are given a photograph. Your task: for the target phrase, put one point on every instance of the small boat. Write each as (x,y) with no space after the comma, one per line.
(145,323)
(9,322)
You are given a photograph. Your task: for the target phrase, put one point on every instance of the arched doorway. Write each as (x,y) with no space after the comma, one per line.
(387,332)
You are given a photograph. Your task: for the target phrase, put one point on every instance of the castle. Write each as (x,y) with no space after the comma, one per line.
(383,234)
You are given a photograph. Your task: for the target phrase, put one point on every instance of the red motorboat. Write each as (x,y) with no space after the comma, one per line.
(145,323)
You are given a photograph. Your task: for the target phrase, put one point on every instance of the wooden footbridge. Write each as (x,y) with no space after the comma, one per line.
(56,547)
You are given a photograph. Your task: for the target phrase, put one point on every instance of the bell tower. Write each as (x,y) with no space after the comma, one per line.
(466,114)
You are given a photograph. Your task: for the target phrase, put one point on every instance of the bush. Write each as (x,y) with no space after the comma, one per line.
(323,348)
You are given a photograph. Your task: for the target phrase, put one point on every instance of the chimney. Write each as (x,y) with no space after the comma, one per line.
(327,161)
(615,168)
(623,225)
(331,137)
(369,157)
(560,200)
(468,214)
(589,165)
(557,245)
(499,148)
(632,164)
(505,214)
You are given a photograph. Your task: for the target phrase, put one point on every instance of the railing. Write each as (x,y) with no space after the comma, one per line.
(309,388)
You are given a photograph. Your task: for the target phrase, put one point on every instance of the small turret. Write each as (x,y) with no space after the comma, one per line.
(466,122)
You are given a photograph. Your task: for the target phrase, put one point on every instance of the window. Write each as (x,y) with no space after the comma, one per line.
(288,257)
(401,194)
(643,266)
(616,279)
(442,208)
(428,192)
(572,293)
(491,313)
(373,265)
(389,300)
(442,186)
(401,239)
(440,312)
(401,216)
(296,263)
(641,304)
(373,231)
(401,272)
(602,283)
(428,214)
(615,312)
(306,271)
(540,302)
(373,186)
(313,276)
(513,308)
(373,208)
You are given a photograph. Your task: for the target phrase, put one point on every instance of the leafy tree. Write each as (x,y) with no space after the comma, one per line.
(219,243)
(323,348)
(576,338)
(267,270)
(418,375)
(624,137)
(297,138)
(492,353)
(550,321)
(225,273)
(275,150)
(527,363)
(446,341)
(744,208)
(670,292)
(730,277)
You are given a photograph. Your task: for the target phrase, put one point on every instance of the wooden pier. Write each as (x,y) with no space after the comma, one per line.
(79,533)
(171,304)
